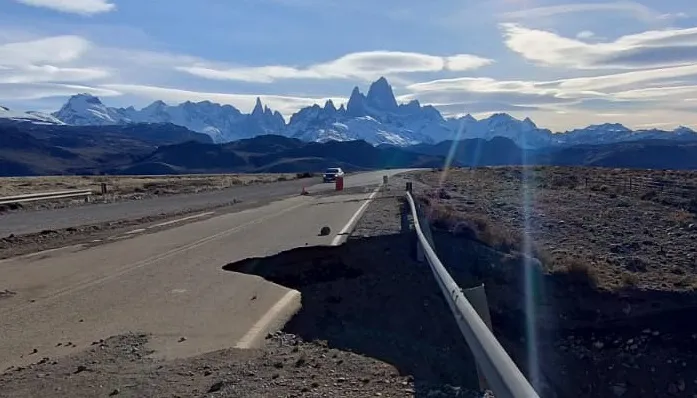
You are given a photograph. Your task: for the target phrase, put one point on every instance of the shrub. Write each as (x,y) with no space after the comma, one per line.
(576,271)
(629,279)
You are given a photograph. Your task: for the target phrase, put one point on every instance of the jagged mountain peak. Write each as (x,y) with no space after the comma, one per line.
(356,103)
(381,96)
(86,97)
(258,107)
(329,105)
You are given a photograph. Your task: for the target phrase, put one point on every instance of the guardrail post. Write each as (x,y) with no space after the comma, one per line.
(104,188)
(477,297)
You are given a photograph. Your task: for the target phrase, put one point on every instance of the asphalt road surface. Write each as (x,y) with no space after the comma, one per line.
(169,283)
(20,223)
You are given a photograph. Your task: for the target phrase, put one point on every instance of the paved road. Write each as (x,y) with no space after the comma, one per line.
(35,221)
(168,283)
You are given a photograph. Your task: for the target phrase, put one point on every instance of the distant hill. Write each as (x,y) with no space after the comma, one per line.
(475,152)
(147,148)
(275,153)
(41,149)
(643,154)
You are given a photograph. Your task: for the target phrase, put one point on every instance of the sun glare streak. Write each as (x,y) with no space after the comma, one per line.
(451,154)
(529,279)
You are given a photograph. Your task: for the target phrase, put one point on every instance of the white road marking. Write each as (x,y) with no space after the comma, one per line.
(42,253)
(140,264)
(135,231)
(351,223)
(263,324)
(181,219)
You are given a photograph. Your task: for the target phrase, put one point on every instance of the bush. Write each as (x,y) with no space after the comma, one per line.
(304,175)
(576,271)
(629,279)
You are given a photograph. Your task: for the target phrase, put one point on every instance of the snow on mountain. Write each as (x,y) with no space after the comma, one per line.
(609,133)
(33,117)
(222,122)
(375,118)
(88,110)
(523,132)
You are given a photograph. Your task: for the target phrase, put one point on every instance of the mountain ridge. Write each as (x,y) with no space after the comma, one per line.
(375,117)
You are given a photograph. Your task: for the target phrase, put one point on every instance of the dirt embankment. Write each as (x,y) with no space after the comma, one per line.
(604,277)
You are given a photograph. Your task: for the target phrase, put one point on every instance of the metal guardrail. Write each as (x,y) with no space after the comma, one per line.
(33,197)
(501,373)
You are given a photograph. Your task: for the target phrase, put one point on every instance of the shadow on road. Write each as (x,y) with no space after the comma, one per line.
(369,297)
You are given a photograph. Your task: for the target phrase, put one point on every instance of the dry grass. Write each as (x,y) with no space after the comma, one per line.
(125,185)
(588,223)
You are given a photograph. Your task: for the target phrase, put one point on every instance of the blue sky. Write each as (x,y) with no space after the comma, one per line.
(564,64)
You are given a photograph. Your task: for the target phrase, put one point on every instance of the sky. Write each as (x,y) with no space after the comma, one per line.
(563,64)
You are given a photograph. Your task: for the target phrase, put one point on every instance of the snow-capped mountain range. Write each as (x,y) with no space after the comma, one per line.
(222,122)
(375,117)
(33,117)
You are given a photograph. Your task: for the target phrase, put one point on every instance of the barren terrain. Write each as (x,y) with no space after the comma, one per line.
(121,188)
(600,299)
(620,224)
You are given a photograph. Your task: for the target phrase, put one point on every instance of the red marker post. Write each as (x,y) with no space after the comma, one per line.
(339,183)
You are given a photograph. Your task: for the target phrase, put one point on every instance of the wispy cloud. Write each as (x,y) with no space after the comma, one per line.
(44,60)
(360,65)
(634,9)
(656,48)
(35,91)
(50,73)
(585,34)
(286,105)
(57,49)
(607,91)
(84,7)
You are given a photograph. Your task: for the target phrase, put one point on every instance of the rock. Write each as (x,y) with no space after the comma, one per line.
(619,389)
(182,339)
(217,386)
(325,231)
(115,392)
(599,345)
(681,385)
(80,369)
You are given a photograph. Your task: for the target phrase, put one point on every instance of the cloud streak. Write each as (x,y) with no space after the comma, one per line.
(650,49)
(634,9)
(286,105)
(360,65)
(83,7)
